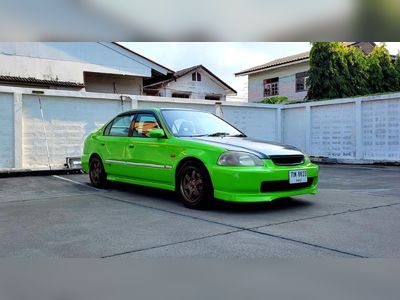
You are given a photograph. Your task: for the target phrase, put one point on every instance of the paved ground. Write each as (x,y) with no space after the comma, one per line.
(356,214)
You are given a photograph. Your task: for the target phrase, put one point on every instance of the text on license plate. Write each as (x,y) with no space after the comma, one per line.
(297,176)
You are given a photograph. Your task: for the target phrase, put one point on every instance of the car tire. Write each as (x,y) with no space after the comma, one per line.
(97,174)
(193,185)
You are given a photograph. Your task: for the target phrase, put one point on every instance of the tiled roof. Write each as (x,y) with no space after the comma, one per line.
(39,82)
(277,62)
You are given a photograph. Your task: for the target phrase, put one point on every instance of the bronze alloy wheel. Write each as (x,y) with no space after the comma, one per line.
(194,185)
(96,172)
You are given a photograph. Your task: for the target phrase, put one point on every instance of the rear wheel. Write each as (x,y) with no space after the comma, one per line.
(194,185)
(97,174)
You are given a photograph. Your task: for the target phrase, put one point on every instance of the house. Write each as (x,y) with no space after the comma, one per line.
(103,67)
(285,76)
(195,82)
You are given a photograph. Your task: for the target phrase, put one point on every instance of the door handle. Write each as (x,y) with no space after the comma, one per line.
(131,146)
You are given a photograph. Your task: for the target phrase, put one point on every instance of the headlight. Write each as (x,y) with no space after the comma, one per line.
(236,158)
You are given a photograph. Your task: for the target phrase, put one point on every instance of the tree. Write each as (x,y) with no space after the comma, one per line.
(337,71)
(329,72)
(382,73)
(397,68)
(358,70)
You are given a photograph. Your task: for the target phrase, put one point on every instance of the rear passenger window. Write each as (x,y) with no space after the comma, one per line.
(120,126)
(144,123)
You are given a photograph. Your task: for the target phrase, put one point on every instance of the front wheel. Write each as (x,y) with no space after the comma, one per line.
(97,174)
(194,185)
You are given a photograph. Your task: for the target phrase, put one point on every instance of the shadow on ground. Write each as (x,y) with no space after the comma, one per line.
(283,204)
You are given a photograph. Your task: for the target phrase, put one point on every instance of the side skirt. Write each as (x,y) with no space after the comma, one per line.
(141,182)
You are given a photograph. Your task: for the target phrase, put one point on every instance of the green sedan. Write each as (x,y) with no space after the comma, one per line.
(196,154)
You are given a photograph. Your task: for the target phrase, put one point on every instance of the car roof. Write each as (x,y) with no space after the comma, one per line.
(154,109)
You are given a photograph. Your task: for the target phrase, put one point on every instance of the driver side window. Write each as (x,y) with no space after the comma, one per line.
(143,124)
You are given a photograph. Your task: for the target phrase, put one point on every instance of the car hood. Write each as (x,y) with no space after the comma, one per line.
(262,149)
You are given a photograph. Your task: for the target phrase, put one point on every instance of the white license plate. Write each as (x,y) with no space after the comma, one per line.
(297,176)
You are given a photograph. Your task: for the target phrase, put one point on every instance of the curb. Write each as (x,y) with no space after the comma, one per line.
(28,172)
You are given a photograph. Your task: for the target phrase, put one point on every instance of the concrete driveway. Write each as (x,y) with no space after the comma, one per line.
(356,214)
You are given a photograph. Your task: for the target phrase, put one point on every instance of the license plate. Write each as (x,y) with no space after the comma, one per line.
(297,176)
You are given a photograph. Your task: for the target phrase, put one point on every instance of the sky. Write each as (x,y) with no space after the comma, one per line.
(223,58)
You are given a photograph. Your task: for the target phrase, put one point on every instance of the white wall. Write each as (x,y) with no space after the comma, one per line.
(66,123)
(6,130)
(333,131)
(351,130)
(381,129)
(104,83)
(249,119)
(294,123)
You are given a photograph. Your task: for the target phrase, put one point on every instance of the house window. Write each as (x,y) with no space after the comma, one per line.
(180,95)
(196,76)
(212,97)
(271,87)
(301,81)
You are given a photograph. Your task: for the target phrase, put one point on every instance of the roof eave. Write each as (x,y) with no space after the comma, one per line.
(243,73)
(189,70)
(144,57)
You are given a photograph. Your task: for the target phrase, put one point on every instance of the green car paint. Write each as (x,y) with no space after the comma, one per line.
(154,161)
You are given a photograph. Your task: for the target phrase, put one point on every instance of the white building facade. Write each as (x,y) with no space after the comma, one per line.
(196,82)
(285,76)
(80,66)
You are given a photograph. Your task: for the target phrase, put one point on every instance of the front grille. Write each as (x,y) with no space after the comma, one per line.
(287,160)
(284,185)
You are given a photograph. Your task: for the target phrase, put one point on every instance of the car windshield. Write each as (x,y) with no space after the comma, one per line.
(196,123)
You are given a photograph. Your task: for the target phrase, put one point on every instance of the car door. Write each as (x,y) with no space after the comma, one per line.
(113,144)
(150,159)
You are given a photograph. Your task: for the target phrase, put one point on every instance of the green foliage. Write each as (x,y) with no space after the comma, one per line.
(275,100)
(375,74)
(358,71)
(329,72)
(337,71)
(389,76)
(397,68)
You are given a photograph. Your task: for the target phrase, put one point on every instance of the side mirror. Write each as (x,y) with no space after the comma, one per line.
(156,133)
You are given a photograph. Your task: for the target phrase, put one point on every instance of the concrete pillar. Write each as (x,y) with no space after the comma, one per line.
(308,129)
(278,135)
(134,102)
(18,163)
(359,133)
(218,109)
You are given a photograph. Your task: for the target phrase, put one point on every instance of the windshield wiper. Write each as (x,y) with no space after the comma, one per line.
(219,134)
(238,135)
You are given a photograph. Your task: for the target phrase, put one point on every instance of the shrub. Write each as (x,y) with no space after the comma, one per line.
(275,100)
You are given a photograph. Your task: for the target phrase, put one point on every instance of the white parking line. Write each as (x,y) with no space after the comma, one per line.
(77,182)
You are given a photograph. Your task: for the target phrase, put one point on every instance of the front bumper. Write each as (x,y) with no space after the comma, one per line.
(243,184)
